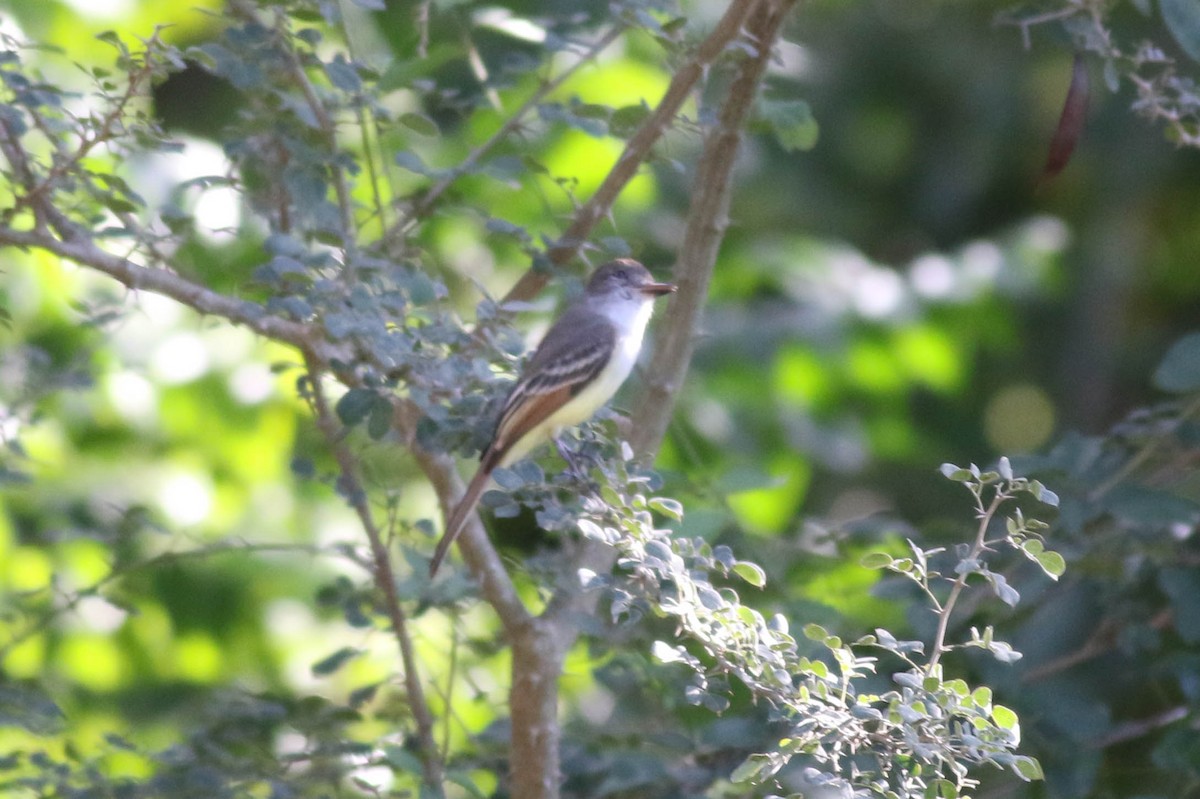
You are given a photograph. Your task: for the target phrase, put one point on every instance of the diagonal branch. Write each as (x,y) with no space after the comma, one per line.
(534,695)
(427,201)
(637,149)
(481,556)
(84,252)
(708,217)
(384,576)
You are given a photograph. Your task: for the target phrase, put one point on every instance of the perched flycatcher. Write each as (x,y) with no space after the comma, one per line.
(584,358)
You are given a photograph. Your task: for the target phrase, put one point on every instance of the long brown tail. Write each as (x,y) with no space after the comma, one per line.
(458,519)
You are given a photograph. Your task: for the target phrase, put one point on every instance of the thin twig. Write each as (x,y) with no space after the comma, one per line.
(1024,24)
(82,251)
(451,676)
(422,14)
(384,576)
(421,207)
(118,572)
(327,127)
(1102,641)
(1140,728)
(708,217)
(480,71)
(706,223)
(939,638)
(637,149)
(366,124)
(481,556)
(1146,452)
(102,133)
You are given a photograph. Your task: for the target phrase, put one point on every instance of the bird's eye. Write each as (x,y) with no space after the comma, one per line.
(621,274)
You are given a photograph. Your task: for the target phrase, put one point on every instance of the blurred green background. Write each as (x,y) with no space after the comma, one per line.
(896,297)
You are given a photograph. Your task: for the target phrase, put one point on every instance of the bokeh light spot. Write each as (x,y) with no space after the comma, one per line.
(185,498)
(1019,418)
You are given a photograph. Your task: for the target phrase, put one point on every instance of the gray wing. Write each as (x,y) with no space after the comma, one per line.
(576,348)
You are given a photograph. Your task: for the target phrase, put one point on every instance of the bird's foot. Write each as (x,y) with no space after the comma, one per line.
(575,464)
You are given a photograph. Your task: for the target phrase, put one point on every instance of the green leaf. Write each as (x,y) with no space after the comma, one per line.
(459,778)
(1007,594)
(1179,371)
(508,479)
(667,507)
(815,632)
(401,759)
(329,665)
(956,473)
(1182,18)
(354,405)
(380,421)
(1052,563)
(709,598)
(751,573)
(876,560)
(419,124)
(1004,717)
(666,653)
(1182,586)
(530,472)
(792,122)
(113,38)
(29,709)
(509,511)
(1043,494)
(1004,467)
(360,696)
(406,159)
(625,120)
(421,289)
(941,789)
(1028,768)
(343,75)
(1003,652)
(753,768)
(283,244)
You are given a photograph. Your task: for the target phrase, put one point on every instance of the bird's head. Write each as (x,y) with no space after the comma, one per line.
(626,278)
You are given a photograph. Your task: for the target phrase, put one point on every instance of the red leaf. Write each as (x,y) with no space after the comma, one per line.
(1070,123)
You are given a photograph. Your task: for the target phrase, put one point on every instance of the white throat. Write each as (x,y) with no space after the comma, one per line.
(629,315)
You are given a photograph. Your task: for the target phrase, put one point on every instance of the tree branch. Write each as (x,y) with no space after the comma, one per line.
(947,607)
(482,558)
(65,603)
(538,656)
(706,223)
(1101,642)
(356,496)
(1140,728)
(637,149)
(427,201)
(708,217)
(84,252)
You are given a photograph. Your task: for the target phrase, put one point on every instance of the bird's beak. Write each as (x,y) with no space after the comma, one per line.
(657,289)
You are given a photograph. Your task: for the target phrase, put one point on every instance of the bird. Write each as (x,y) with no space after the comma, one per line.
(583,359)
